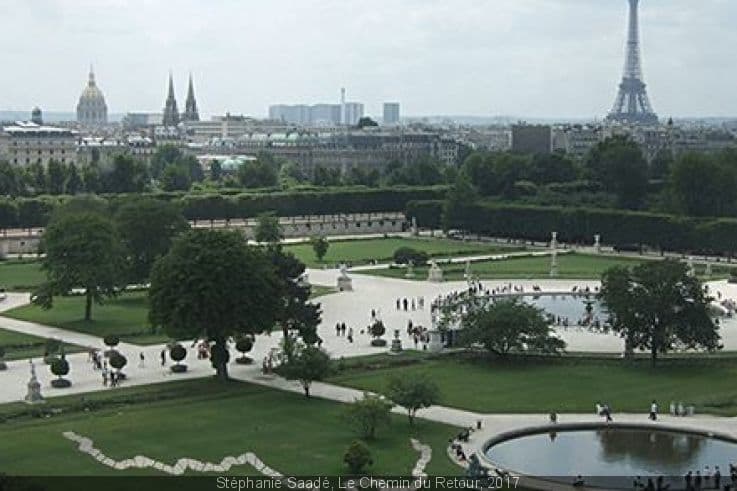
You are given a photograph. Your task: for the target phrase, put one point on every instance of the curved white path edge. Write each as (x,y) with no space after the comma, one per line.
(86,445)
(141,462)
(425,457)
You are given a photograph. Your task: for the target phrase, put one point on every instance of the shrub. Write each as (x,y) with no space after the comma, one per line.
(177,353)
(377,329)
(118,361)
(378,343)
(244,345)
(404,255)
(111,340)
(357,456)
(60,367)
(368,414)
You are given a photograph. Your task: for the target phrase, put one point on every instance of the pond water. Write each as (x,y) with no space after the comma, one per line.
(571,307)
(612,457)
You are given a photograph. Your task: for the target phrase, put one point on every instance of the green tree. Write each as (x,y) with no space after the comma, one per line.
(147,228)
(325,176)
(308,364)
(258,173)
(74,182)
(36,177)
(9,180)
(216,170)
(320,246)
(128,175)
(176,178)
(368,414)
(461,196)
(413,392)
(659,306)
(366,122)
(82,251)
(92,177)
(268,230)
(357,456)
(701,185)
(618,164)
(163,157)
(510,326)
(211,284)
(56,176)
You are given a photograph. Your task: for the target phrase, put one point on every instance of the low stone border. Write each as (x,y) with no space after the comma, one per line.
(425,457)
(142,462)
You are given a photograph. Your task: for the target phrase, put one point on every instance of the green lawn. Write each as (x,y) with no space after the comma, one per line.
(20,275)
(206,420)
(18,345)
(566,385)
(125,315)
(569,266)
(321,291)
(382,249)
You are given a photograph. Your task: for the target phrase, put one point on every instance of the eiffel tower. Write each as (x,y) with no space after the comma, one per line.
(632,105)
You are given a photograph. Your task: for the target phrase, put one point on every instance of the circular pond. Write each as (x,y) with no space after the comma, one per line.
(612,457)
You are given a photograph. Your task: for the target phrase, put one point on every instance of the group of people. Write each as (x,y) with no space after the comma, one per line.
(341,330)
(418,334)
(695,481)
(407,304)
(110,377)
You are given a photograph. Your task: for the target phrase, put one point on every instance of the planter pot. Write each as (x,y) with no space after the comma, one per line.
(60,383)
(178,368)
(378,343)
(244,360)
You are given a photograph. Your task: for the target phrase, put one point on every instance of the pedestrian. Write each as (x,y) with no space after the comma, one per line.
(654,411)
(163,357)
(104,377)
(350,335)
(373,314)
(337,329)
(141,360)
(405,304)
(717,478)
(113,379)
(414,307)
(697,480)
(342,329)
(399,304)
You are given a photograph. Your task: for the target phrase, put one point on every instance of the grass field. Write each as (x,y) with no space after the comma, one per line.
(20,275)
(125,315)
(18,345)
(566,385)
(574,266)
(206,420)
(382,249)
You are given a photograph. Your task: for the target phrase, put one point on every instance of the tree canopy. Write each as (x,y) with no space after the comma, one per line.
(658,306)
(211,284)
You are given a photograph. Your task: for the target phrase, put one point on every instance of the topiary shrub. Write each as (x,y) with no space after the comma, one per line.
(404,255)
(178,353)
(244,345)
(60,367)
(118,361)
(357,456)
(377,329)
(3,366)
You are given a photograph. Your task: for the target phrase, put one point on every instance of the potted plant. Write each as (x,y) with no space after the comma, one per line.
(244,345)
(178,353)
(111,341)
(377,330)
(60,368)
(118,361)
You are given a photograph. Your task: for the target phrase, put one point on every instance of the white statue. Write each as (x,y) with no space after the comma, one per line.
(435,274)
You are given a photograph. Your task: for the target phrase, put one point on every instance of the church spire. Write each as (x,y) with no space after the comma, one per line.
(190,110)
(91,81)
(171,113)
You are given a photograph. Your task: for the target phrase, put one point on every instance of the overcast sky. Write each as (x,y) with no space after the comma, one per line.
(542,58)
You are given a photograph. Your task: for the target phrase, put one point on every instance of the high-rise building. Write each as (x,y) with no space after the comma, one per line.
(190,108)
(632,105)
(171,113)
(391,113)
(91,108)
(353,112)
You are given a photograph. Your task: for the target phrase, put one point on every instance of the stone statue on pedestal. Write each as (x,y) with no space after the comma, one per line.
(345,283)
(554,255)
(34,388)
(597,243)
(396,343)
(435,274)
(414,229)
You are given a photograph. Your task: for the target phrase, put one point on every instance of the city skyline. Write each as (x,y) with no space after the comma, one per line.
(562,58)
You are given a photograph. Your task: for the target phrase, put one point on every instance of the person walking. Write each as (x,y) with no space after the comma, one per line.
(104,377)
(337,329)
(141,360)
(350,335)
(163,357)
(654,411)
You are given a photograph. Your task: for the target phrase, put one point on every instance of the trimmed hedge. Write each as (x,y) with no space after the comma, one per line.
(579,225)
(35,212)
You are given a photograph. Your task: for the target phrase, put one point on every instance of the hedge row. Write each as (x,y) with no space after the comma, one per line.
(579,225)
(35,212)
